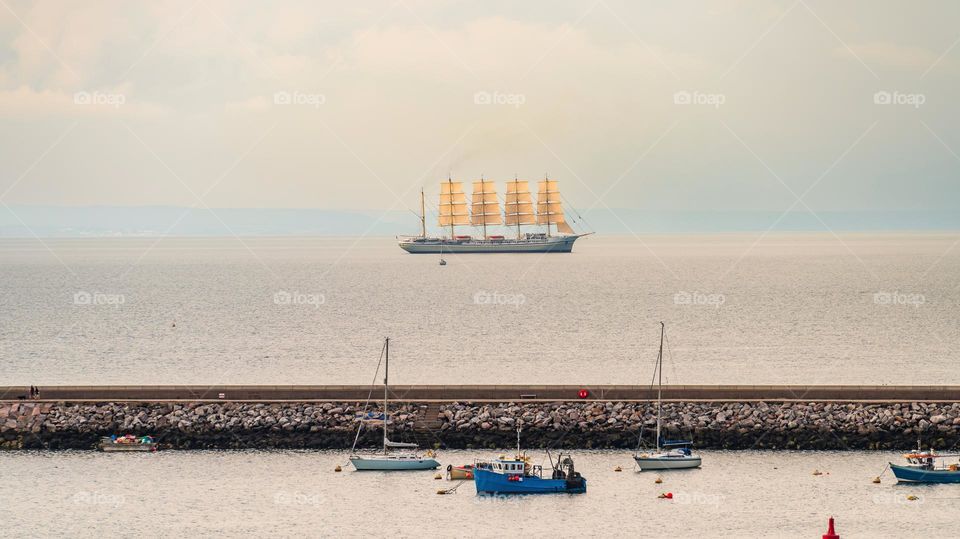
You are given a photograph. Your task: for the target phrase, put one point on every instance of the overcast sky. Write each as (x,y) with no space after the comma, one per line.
(357,105)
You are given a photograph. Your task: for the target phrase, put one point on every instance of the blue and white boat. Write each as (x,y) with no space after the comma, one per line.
(669,454)
(515,475)
(504,475)
(927,467)
(395,455)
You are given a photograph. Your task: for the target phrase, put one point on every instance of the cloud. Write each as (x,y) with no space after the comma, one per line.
(25,101)
(890,55)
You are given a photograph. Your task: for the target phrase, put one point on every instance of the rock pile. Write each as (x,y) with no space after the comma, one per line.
(586,424)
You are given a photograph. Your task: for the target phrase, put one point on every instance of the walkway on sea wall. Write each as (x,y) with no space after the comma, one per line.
(495,393)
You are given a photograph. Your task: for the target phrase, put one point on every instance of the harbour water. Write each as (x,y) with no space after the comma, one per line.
(297,493)
(740,309)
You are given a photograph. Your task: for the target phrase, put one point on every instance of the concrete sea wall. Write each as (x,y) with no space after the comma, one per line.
(584,424)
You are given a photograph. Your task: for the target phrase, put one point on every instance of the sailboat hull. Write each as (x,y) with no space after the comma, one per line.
(392,463)
(553,244)
(666,463)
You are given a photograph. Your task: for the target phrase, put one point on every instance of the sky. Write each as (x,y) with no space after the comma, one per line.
(728,105)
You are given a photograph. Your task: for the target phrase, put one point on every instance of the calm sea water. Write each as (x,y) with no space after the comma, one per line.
(296,494)
(739,309)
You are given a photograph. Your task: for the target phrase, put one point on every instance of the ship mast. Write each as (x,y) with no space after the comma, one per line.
(450,187)
(518,205)
(547,192)
(549,209)
(423,216)
(484,207)
(515,201)
(453,205)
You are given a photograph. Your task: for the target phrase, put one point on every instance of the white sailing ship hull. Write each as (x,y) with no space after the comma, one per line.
(656,462)
(393,463)
(553,244)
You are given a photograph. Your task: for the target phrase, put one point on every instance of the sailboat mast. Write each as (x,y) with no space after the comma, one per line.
(659,383)
(423,216)
(386,375)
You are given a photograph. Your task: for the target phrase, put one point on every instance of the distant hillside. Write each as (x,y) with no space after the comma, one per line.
(52,221)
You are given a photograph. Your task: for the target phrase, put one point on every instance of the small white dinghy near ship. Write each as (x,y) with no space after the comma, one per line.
(669,454)
(394,456)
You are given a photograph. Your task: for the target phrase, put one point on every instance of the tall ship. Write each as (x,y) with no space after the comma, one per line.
(553,235)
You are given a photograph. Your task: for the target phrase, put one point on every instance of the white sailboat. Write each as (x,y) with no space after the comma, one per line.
(669,454)
(395,455)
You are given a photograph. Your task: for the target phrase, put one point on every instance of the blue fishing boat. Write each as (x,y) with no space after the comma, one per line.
(504,475)
(516,476)
(927,467)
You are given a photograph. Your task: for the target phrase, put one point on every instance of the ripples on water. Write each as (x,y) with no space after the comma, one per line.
(297,493)
(786,309)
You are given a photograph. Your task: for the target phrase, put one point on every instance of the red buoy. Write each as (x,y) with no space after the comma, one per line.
(831,534)
(583,393)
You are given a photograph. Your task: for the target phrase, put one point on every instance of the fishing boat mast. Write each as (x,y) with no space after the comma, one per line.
(519,428)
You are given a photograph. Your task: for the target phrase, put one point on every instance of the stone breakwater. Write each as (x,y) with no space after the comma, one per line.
(588,424)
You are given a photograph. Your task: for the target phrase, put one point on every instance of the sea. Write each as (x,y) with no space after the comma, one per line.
(738,309)
(771,308)
(299,494)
